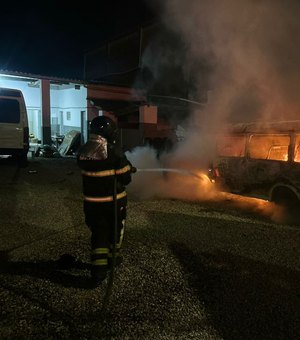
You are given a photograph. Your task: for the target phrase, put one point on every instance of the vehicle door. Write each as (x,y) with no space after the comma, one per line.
(231,163)
(267,158)
(11,123)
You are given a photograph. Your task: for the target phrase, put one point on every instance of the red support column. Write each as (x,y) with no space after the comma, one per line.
(46,126)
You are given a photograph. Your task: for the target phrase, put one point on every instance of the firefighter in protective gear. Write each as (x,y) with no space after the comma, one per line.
(100,161)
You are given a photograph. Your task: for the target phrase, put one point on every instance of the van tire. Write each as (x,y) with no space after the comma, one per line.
(22,160)
(289,201)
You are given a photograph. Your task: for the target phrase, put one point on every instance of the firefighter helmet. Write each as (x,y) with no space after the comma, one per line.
(105,127)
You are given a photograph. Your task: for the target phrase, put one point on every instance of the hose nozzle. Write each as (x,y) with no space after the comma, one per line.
(133,169)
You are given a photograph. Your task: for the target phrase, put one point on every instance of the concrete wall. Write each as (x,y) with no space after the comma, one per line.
(66,105)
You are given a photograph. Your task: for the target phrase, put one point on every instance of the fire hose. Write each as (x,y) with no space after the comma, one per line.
(115,231)
(114,246)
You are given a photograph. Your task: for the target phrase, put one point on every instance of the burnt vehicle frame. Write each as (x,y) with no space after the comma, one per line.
(260,160)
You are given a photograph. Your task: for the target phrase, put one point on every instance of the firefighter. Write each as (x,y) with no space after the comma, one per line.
(104,166)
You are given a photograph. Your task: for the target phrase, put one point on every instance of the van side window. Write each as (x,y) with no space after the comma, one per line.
(231,146)
(9,111)
(297,149)
(271,146)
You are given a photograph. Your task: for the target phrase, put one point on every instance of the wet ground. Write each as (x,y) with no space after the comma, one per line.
(191,270)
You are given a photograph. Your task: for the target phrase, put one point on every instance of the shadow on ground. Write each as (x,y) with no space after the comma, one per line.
(245,299)
(66,271)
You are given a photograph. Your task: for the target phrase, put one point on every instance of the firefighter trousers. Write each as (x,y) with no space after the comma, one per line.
(100,218)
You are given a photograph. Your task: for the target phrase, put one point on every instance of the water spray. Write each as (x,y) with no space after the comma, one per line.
(180,171)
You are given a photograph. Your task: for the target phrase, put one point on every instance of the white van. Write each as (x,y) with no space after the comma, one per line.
(14,132)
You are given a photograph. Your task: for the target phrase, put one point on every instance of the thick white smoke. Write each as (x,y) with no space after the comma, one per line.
(251,47)
(190,186)
(165,182)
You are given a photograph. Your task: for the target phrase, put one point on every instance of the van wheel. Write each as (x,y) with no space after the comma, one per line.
(22,161)
(289,201)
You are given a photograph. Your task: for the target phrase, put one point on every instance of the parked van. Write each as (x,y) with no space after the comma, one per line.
(260,160)
(14,132)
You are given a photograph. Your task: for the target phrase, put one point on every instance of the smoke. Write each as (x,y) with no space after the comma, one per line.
(162,182)
(251,65)
(191,187)
(144,185)
(244,52)
(253,52)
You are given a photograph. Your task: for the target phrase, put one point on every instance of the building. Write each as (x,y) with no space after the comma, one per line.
(138,79)
(57,106)
(151,58)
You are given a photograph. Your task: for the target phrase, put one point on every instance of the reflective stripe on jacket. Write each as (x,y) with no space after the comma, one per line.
(106,173)
(99,175)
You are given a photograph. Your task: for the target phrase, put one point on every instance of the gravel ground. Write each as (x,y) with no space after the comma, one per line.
(191,270)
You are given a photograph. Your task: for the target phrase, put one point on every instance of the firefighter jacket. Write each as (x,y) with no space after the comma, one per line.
(100,162)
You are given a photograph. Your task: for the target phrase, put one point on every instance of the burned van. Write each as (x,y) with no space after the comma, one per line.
(260,160)
(14,132)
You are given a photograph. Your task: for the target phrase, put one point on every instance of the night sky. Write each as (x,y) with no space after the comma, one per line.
(50,37)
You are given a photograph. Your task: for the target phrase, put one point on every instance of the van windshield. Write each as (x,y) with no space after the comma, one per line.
(9,110)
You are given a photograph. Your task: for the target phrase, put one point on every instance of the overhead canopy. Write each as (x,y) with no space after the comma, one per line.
(120,100)
(118,107)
